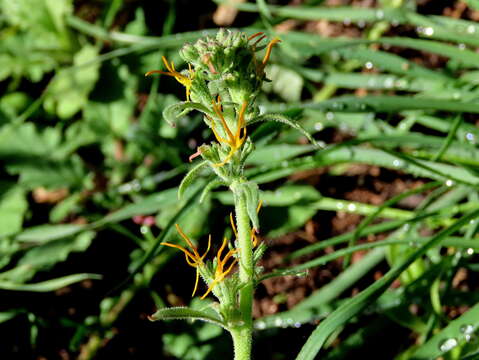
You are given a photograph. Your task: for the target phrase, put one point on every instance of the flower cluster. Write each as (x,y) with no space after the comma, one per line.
(223,80)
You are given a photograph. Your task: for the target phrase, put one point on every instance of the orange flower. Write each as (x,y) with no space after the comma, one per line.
(234,141)
(186,81)
(192,258)
(220,271)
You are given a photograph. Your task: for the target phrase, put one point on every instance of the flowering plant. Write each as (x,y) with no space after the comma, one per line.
(222,81)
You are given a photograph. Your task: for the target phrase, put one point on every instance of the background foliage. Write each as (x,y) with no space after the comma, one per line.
(89,183)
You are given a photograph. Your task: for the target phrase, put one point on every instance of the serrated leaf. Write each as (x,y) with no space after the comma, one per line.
(184,313)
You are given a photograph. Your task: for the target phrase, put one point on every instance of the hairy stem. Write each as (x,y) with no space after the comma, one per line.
(242,333)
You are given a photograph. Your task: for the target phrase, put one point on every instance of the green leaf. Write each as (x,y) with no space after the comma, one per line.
(358,303)
(284,82)
(44,19)
(48,285)
(277,152)
(251,193)
(190,177)
(317,303)
(13,205)
(177,110)
(184,313)
(69,89)
(285,120)
(456,333)
(44,233)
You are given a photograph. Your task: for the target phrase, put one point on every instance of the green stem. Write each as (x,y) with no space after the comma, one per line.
(242,334)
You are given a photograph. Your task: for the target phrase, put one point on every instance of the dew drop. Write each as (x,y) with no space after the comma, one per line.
(347,21)
(329,115)
(278,322)
(471,137)
(260,325)
(361,24)
(389,82)
(297,325)
(398,163)
(449,183)
(144,229)
(318,126)
(448,344)
(471,29)
(340,206)
(461,47)
(369,65)
(467,329)
(352,207)
(428,31)
(470,251)
(379,14)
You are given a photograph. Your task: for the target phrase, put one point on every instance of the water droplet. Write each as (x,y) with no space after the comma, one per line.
(347,21)
(352,207)
(389,82)
(329,115)
(369,65)
(448,344)
(144,229)
(449,183)
(471,138)
(379,14)
(456,95)
(288,322)
(398,163)
(340,206)
(461,47)
(428,31)
(361,24)
(471,29)
(318,126)
(260,325)
(297,325)
(302,274)
(470,251)
(278,322)
(467,329)
(285,164)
